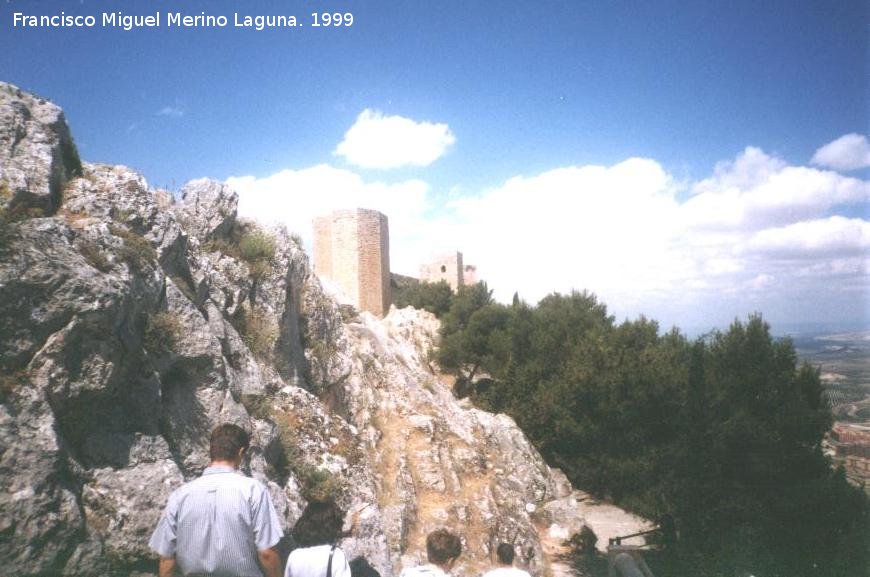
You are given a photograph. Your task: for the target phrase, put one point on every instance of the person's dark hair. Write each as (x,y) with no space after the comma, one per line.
(226,441)
(360,567)
(442,546)
(505,553)
(320,524)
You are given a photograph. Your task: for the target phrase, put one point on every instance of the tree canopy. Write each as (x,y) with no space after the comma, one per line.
(723,432)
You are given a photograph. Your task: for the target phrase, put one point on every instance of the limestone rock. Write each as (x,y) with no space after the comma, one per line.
(130,327)
(207,208)
(37,154)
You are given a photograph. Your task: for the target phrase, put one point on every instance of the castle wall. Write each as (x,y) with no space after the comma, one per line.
(446,267)
(323,246)
(352,249)
(374,257)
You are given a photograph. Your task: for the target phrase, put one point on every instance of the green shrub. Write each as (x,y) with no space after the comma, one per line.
(225,246)
(135,251)
(162,332)
(257,246)
(259,269)
(92,253)
(258,331)
(315,483)
(318,485)
(248,243)
(257,406)
(121,214)
(433,297)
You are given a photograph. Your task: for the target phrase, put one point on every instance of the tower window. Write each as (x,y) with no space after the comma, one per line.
(443,268)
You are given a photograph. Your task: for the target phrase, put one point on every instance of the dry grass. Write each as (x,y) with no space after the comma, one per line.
(74,218)
(162,332)
(135,251)
(258,331)
(93,254)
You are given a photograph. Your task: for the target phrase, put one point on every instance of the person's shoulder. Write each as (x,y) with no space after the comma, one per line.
(309,552)
(414,571)
(253,484)
(505,572)
(184,488)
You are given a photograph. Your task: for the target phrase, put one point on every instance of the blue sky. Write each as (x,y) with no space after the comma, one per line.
(521,89)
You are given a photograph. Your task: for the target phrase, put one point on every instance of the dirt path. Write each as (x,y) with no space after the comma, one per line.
(557,556)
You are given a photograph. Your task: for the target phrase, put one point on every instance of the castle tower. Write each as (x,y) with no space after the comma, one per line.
(352,249)
(447,267)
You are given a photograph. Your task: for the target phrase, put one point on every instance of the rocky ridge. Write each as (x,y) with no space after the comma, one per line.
(132,322)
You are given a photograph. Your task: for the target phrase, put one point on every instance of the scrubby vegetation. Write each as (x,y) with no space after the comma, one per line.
(258,331)
(135,250)
(162,332)
(315,484)
(248,243)
(93,254)
(14,212)
(723,432)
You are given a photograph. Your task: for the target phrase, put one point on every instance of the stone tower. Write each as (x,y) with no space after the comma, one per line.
(447,267)
(352,249)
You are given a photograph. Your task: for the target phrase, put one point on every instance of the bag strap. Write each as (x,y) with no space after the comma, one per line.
(329,563)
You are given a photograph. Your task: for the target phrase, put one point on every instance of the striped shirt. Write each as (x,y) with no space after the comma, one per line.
(215,525)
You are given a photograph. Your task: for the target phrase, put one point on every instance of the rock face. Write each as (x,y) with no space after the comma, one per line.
(132,323)
(37,154)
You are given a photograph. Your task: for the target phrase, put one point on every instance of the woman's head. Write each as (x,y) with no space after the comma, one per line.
(320,524)
(443,547)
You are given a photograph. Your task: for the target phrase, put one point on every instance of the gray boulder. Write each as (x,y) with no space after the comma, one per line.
(37,153)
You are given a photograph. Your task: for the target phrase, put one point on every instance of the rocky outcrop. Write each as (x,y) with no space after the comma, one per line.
(37,154)
(132,323)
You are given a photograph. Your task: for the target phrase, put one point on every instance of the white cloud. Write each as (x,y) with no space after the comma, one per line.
(849,152)
(173,111)
(594,227)
(378,141)
(761,281)
(833,236)
(757,190)
(295,197)
(757,235)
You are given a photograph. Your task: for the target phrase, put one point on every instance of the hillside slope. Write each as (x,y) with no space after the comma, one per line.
(132,323)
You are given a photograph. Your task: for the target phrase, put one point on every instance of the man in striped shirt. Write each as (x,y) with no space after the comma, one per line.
(223,523)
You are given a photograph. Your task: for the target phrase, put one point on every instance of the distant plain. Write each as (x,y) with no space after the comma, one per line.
(844,360)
